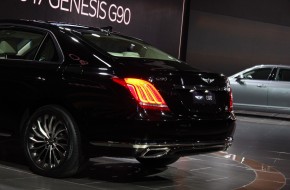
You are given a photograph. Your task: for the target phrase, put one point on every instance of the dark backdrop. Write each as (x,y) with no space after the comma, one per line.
(158,21)
(230,35)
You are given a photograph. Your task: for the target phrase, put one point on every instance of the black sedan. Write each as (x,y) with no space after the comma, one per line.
(71,92)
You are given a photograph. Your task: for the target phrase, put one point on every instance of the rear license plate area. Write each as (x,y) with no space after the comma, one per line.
(203,97)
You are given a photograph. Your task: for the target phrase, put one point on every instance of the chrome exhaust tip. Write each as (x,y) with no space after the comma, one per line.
(154,152)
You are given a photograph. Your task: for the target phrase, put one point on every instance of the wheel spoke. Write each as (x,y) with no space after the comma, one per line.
(58,132)
(37,147)
(36,141)
(38,156)
(60,153)
(52,118)
(36,133)
(61,145)
(41,130)
(54,127)
(61,139)
(50,156)
(45,156)
(56,161)
(45,124)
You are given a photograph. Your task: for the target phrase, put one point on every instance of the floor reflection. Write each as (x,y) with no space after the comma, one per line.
(267,177)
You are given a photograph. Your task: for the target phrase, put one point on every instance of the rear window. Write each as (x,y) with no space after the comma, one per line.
(18,44)
(119,46)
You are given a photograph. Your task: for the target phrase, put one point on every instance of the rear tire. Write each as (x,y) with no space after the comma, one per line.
(52,142)
(157,162)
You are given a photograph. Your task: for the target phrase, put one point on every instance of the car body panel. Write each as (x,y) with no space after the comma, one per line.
(24,86)
(268,95)
(278,96)
(252,92)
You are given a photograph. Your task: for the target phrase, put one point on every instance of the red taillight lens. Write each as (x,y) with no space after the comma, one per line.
(144,92)
(231,101)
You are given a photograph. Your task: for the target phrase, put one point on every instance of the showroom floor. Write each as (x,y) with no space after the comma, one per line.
(258,159)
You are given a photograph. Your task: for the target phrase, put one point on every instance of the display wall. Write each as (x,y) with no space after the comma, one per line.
(157,22)
(227,36)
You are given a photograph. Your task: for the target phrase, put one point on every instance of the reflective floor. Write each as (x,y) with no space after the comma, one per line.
(258,159)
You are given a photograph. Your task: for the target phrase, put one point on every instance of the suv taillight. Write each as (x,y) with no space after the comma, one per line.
(144,93)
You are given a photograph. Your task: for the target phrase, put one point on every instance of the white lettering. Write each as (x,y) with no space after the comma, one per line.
(93,8)
(120,14)
(61,5)
(103,10)
(54,6)
(98,8)
(77,5)
(127,14)
(84,5)
(113,13)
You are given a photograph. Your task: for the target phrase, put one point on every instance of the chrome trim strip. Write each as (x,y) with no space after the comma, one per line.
(196,145)
(157,150)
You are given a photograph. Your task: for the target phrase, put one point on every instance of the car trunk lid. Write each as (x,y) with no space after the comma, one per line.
(186,90)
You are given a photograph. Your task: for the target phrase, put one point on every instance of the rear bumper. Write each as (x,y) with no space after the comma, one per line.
(148,139)
(165,149)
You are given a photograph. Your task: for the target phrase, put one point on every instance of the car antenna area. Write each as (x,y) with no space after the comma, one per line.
(107,29)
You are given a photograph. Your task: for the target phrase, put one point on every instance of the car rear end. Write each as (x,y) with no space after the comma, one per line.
(177,109)
(181,113)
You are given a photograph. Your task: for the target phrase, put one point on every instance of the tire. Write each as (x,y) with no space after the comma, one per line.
(52,143)
(157,162)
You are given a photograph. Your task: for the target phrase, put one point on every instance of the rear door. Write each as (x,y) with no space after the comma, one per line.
(28,66)
(279,92)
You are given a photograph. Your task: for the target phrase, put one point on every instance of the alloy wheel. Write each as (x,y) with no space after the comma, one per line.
(48,141)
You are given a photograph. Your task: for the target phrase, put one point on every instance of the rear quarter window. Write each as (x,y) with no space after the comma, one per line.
(284,75)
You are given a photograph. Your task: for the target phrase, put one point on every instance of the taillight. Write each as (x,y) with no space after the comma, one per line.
(231,101)
(145,93)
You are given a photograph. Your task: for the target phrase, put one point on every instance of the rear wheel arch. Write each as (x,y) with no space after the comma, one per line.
(73,111)
(32,107)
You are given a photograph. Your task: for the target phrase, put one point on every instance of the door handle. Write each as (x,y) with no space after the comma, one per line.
(261,86)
